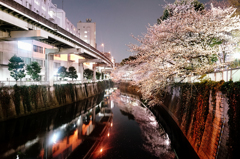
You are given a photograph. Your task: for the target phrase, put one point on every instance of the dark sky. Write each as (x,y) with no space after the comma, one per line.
(116,20)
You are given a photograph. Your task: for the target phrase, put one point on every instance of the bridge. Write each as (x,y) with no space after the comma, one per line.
(20,23)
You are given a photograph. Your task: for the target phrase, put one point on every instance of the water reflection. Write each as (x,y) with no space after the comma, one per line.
(116,126)
(52,134)
(124,142)
(155,139)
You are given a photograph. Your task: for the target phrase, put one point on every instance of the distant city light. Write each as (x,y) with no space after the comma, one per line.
(24,46)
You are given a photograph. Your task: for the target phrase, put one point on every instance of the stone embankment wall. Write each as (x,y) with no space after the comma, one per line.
(205,127)
(19,101)
(203,112)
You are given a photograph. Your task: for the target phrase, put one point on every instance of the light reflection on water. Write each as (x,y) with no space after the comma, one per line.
(155,139)
(57,133)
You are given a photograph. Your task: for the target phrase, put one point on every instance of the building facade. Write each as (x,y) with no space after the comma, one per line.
(32,50)
(88,32)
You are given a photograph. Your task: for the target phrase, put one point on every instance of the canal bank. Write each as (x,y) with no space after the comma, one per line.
(202,120)
(20,101)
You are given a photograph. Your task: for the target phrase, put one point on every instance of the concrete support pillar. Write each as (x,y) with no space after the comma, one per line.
(94,72)
(94,115)
(80,127)
(80,70)
(49,65)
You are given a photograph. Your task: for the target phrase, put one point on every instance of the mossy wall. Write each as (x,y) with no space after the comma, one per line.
(208,114)
(24,100)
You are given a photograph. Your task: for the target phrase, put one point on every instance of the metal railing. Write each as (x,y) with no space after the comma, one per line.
(22,83)
(28,83)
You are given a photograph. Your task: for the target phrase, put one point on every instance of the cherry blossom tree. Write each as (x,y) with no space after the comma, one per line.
(184,45)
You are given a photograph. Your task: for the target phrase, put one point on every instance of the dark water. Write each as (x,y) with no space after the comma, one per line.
(130,131)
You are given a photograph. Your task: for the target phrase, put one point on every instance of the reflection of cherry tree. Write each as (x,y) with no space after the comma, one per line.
(184,45)
(155,138)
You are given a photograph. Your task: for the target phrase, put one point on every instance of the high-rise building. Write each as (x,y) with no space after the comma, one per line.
(88,32)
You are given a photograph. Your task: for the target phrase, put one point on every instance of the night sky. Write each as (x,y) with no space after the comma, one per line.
(115,20)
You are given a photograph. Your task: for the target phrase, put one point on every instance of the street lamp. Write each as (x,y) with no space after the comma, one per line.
(103,47)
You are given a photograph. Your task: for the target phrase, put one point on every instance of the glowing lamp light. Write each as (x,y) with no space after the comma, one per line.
(167,142)
(108,134)
(54,138)
(237,55)
(24,46)
(111,124)
(101,150)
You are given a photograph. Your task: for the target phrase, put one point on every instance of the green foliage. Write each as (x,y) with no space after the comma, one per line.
(88,73)
(16,67)
(72,73)
(215,42)
(98,75)
(235,63)
(164,16)
(213,58)
(198,6)
(33,70)
(62,71)
(130,58)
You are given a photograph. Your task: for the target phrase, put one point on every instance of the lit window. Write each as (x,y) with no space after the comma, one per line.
(51,13)
(57,65)
(24,46)
(36,2)
(57,55)
(40,62)
(26,60)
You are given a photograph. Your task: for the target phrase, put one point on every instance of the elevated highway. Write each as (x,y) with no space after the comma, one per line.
(20,23)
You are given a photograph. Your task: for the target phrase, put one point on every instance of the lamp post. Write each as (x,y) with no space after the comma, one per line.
(103,47)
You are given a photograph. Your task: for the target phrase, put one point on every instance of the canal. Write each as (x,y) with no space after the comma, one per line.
(113,125)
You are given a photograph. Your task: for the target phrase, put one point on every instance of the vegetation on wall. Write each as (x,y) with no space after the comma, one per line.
(232,92)
(5,100)
(194,104)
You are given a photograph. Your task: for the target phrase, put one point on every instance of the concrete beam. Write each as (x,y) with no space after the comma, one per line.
(26,35)
(90,60)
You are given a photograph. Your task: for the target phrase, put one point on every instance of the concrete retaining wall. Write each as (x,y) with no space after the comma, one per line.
(46,98)
(215,136)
